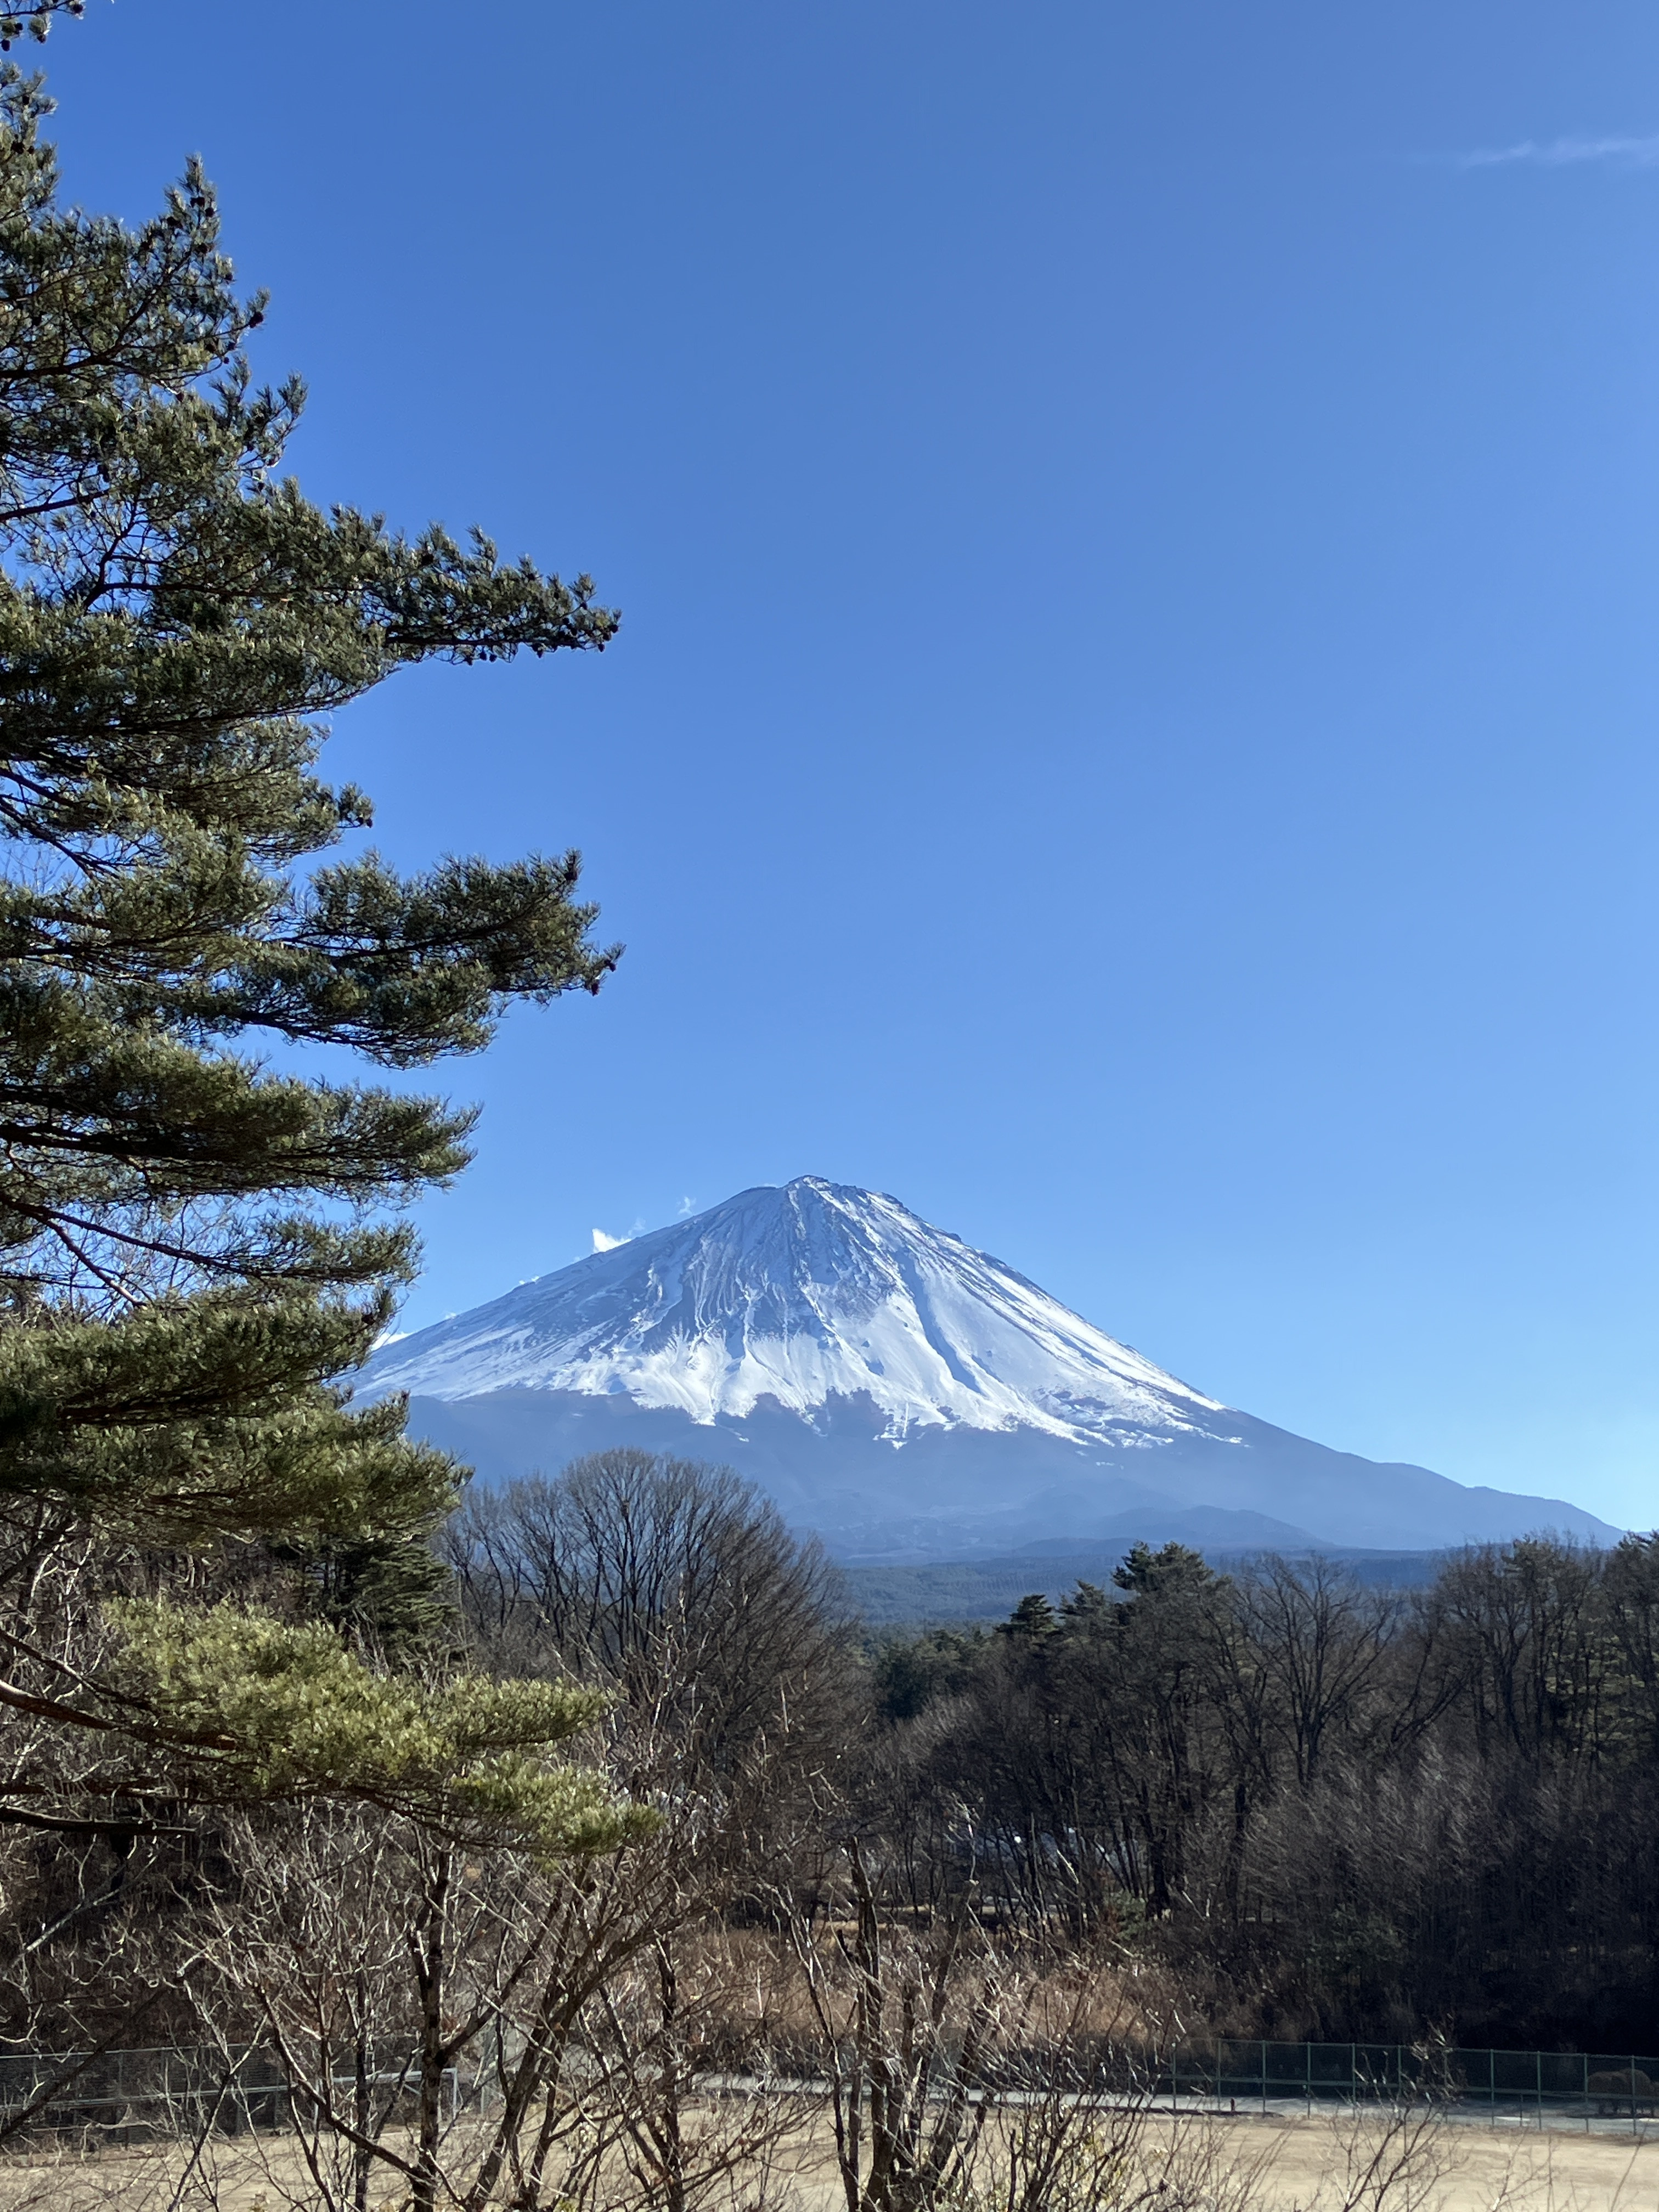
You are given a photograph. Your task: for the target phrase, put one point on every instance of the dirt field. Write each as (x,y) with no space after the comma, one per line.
(1295,2165)
(1484,2168)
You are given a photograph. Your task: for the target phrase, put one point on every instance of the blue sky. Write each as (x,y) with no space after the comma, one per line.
(1133,727)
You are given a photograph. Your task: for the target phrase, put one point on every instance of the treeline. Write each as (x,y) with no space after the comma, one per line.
(1324,1811)
(1268,1803)
(1332,1812)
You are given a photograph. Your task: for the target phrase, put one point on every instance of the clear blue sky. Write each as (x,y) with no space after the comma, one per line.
(1134,728)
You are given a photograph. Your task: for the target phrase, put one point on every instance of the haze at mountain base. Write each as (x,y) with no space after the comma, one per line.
(897,1391)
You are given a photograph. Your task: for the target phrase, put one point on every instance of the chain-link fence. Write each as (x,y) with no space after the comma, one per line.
(1598,2090)
(126,2095)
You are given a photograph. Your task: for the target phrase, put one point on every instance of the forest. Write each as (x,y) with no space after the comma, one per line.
(1321,1810)
(1330,1812)
(1270,1802)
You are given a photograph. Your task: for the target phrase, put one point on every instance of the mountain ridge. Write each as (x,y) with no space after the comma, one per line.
(892,1387)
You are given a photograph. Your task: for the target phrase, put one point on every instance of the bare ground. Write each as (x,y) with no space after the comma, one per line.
(1277,2164)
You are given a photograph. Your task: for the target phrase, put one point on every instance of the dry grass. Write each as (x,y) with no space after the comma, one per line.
(760,2000)
(1479,2169)
(1246,2163)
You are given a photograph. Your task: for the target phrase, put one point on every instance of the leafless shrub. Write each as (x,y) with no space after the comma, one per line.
(1392,2157)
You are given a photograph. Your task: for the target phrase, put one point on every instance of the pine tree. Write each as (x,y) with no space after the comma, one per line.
(197,1245)
(187,1248)
(35,17)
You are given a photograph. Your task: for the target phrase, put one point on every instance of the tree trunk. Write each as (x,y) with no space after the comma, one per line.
(428,1948)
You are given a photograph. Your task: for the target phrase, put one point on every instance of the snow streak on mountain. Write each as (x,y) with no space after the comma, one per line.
(900,1392)
(799,1295)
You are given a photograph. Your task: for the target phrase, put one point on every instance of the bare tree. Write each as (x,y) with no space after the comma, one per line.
(903,2022)
(674,1582)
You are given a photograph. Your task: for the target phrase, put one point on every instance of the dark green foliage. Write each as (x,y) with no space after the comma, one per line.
(395,1599)
(1032,1619)
(909,1674)
(1089,1608)
(212,1566)
(193,1243)
(1147,1573)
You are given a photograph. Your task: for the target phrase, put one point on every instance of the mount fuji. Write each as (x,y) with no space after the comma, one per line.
(900,1392)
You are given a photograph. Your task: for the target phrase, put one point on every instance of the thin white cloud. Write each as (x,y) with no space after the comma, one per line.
(1566,154)
(686,1206)
(605,1242)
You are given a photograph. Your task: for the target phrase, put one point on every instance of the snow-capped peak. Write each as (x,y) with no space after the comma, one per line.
(799,1294)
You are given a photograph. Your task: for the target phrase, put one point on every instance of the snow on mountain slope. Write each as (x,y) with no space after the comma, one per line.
(799,1295)
(890,1387)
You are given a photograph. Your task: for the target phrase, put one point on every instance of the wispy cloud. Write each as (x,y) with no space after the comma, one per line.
(603,1241)
(1566,154)
(686,1206)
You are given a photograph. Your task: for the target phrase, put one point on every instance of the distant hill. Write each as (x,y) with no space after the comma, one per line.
(963,1593)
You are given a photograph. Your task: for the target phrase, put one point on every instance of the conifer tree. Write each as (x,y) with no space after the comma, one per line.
(197,1245)
(35,17)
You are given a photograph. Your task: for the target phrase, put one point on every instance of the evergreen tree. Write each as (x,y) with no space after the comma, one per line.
(1033,1618)
(35,17)
(187,1246)
(197,1245)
